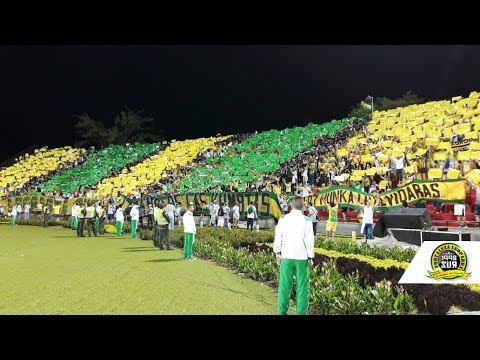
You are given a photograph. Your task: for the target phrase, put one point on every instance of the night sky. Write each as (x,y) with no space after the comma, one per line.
(195,91)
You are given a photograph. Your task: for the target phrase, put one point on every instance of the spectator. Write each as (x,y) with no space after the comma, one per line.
(251,215)
(399,166)
(368,210)
(312,213)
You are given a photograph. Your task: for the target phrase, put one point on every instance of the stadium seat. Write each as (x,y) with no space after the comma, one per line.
(447,208)
(448,216)
(436,216)
(352,216)
(322,214)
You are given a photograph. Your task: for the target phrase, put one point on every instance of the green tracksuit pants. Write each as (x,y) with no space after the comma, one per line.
(119,228)
(134,228)
(288,269)
(14,219)
(74,222)
(188,246)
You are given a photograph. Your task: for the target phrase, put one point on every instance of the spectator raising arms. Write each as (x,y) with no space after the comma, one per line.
(368,209)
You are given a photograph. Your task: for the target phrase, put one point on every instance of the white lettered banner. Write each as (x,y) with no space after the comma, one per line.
(444,262)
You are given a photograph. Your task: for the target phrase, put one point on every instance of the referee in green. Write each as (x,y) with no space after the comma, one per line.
(293,247)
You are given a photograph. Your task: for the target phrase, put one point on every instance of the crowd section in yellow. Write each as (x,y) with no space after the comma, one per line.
(438,140)
(156,167)
(36,165)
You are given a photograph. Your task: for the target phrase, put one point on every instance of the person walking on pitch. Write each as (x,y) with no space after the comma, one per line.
(90,216)
(100,220)
(14,214)
(74,222)
(162,235)
(293,247)
(135,215)
(27,211)
(46,215)
(81,220)
(119,217)
(190,230)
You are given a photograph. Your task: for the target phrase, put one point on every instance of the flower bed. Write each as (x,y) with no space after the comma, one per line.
(330,292)
(367,270)
(242,235)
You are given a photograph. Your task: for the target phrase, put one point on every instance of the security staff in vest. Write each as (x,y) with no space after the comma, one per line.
(161,224)
(90,216)
(293,247)
(81,212)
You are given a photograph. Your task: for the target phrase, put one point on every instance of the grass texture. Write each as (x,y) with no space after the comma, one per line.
(51,271)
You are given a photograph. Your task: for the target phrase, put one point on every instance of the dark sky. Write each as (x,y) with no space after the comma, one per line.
(195,91)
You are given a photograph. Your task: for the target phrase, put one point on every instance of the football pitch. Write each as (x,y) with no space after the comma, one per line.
(51,271)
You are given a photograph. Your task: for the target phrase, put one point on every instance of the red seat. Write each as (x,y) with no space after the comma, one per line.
(448,216)
(322,214)
(436,216)
(446,208)
(352,214)
(377,214)
(431,208)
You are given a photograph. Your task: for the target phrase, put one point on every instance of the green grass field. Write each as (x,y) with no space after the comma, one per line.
(51,271)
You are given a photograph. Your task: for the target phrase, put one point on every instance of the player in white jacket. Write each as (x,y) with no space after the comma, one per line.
(190,230)
(14,214)
(74,222)
(293,247)
(135,216)
(119,217)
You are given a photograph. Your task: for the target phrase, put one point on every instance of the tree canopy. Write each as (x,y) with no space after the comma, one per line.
(384,103)
(129,126)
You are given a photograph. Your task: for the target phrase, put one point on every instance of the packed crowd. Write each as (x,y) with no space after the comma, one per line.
(31,169)
(436,140)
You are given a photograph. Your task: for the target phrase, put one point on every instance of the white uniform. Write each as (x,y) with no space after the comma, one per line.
(294,237)
(27,211)
(189,223)
(214,214)
(225,217)
(236,212)
(170,211)
(134,213)
(119,215)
